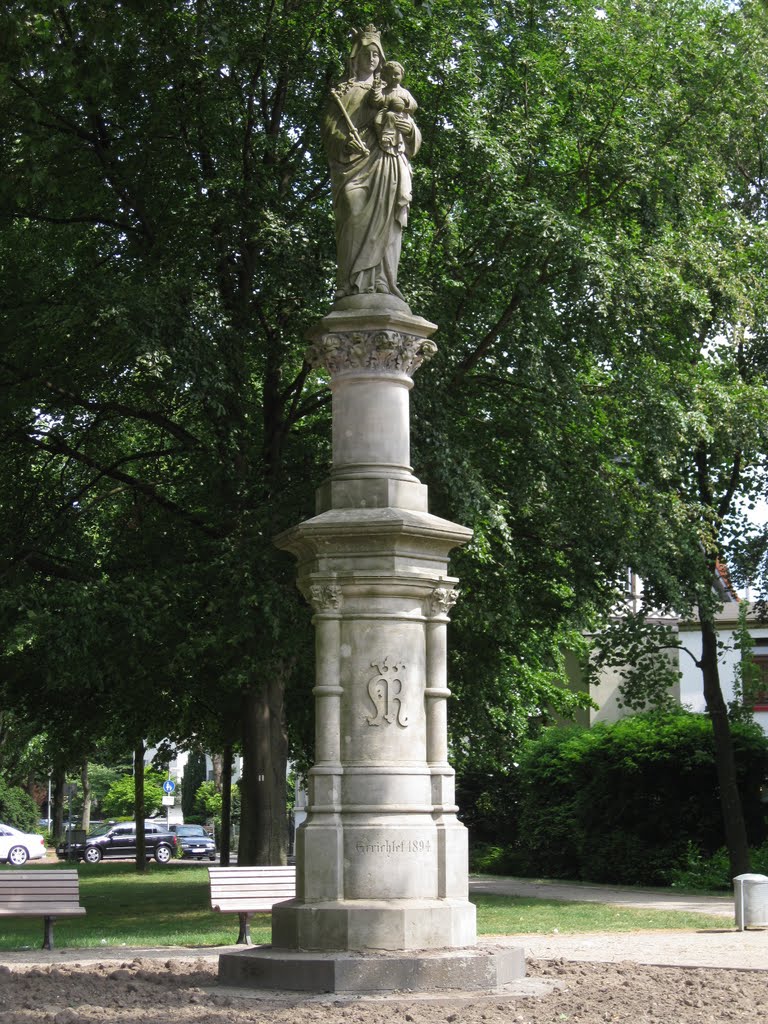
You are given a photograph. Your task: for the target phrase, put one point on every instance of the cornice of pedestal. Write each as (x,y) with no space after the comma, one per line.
(371,313)
(383,532)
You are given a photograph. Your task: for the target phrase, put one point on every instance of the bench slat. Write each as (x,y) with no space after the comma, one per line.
(10,890)
(61,873)
(54,910)
(246,899)
(14,901)
(254,885)
(232,874)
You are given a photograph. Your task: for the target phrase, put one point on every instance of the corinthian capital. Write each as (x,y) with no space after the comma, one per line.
(371,351)
(324,597)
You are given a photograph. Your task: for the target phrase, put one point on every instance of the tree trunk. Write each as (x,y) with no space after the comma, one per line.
(59,779)
(730,800)
(86,782)
(263,818)
(138,807)
(226,805)
(217,767)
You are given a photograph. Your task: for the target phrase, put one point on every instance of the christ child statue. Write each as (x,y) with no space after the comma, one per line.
(394,119)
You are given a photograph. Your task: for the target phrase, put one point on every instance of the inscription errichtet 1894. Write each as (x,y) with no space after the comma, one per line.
(395,846)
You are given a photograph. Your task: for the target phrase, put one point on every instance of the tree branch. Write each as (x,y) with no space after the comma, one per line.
(97,407)
(52,443)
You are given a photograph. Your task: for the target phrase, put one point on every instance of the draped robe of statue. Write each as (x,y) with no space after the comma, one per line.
(371,194)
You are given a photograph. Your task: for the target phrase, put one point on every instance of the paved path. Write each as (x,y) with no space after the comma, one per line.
(719,947)
(622,895)
(726,948)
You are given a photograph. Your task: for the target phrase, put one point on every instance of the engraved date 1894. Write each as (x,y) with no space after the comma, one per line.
(390,846)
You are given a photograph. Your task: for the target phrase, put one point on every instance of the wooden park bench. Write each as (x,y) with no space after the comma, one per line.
(250,890)
(46,894)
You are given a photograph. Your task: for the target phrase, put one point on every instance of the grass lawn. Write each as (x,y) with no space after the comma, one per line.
(169,906)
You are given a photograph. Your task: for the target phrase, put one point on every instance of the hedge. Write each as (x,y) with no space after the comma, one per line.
(623,802)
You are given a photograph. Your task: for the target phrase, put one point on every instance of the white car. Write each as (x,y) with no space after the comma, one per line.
(19,847)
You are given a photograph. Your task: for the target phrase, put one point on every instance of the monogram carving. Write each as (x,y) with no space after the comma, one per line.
(385,690)
(375,351)
(325,597)
(442,600)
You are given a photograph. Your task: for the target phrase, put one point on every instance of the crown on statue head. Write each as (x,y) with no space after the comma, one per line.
(366,36)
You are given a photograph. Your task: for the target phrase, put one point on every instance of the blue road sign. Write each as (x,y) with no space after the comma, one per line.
(168,786)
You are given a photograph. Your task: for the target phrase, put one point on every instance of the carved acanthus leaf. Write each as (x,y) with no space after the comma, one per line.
(374,351)
(441,600)
(324,597)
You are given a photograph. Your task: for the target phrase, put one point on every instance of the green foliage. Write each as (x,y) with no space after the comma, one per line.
(208,799)
(641,653)
(710,872)
(490,859)
(101,778)
(748,680)
(119,799)
(17,808)
(620,803)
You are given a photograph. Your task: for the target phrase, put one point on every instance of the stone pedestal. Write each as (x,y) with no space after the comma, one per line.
(381,859)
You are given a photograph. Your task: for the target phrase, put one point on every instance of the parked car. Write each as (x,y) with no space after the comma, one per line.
(195,841)
(18,847)
(118,839)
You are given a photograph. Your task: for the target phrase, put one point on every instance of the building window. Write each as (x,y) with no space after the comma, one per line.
(760,658)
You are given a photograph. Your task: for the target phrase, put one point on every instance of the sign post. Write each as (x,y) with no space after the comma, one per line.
(168,787)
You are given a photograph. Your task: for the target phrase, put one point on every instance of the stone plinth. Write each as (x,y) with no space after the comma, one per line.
(471,970)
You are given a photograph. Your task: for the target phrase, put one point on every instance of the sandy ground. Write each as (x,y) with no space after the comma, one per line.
(692,977)
(583,979)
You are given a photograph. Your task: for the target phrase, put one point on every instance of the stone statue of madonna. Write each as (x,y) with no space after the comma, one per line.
(370,136)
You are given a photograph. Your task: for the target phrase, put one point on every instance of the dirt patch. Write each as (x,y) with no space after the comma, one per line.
(176,991)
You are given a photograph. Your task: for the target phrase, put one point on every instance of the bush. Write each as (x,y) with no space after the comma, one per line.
(488,806)
(713,872)
(18,809)
(622,802)
(195,819)
(207,800)
(487,859)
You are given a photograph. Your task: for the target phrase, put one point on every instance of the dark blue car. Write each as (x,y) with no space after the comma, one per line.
(195,841)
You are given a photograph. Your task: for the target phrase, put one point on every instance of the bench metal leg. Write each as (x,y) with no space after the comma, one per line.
(48,932)
(245,930)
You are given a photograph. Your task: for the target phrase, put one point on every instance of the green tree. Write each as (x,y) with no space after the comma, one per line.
(165,240)
(17,808)
(120,799)
(194,777)
(208,799)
